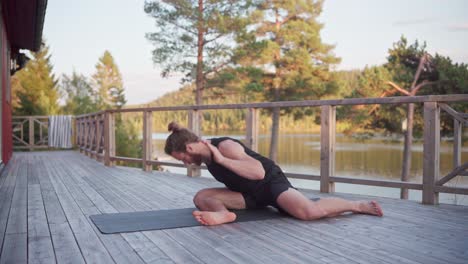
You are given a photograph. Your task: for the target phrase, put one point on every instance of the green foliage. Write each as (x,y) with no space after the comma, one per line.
(128,143)
(371,82)
(217,120)
(109,94)
(107,81)
(195,34)
(347,82)
(282,49)
(79,97)
(442,75)
(452,78)
(403,60)
(34,88)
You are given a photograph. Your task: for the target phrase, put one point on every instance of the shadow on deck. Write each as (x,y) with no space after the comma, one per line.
(46,199)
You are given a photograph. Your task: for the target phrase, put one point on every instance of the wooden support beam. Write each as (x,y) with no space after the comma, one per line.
(147,140)
(327,148)
(457,171)
(252,122)
(453,113)
(431,152)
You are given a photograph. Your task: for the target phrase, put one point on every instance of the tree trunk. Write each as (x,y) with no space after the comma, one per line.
(407,151)
(276,85)
(275,129)
(199,79)
(409,131)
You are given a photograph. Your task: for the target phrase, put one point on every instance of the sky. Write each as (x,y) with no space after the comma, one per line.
(78,33)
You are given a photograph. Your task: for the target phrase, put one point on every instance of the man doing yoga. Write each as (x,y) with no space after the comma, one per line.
(251,181)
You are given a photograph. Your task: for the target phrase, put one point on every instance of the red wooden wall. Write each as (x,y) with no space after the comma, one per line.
(7,139)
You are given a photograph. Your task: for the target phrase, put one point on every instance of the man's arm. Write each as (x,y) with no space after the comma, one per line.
(231,155)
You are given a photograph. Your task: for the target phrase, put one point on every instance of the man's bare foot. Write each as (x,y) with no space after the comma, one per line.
(214,218)
(370,207)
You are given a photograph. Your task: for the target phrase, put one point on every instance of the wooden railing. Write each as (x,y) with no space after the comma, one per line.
(30,132)
(96,138)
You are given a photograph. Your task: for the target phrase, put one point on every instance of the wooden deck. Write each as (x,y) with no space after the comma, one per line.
(46,199)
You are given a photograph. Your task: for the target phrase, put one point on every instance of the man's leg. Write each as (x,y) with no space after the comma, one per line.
(299,206)
(214,204)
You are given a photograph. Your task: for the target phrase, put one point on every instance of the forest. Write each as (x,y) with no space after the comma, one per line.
(246,51)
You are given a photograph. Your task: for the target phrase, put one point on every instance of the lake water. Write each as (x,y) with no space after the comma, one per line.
(377,158)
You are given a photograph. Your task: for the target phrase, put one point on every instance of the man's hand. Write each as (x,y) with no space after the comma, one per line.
(217,156)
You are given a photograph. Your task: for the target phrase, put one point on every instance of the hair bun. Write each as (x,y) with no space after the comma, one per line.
(173,127)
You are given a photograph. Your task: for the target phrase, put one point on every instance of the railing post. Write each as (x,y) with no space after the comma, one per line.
(431,152)
(147,140)
(195,126)
(31,133)
(251,136)
(109,138)
(327,147)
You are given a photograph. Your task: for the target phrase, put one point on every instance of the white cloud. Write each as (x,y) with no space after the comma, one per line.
(458,27)
(415,21)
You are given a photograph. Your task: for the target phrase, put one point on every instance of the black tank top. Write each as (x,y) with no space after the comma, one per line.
(233,181)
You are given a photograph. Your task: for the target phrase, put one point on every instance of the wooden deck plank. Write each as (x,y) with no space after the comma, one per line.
(228,250)
(234,252)
(404,261)
(65,246)
(40,249)
(118,247)
(170,247)
(6,196)
(57,192)
(122,202)
(15,245)
(90,245)
(409,250)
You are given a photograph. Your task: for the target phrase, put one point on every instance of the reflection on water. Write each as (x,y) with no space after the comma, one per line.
(373,158)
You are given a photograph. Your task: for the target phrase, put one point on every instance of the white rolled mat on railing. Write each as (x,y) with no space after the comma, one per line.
(60,131)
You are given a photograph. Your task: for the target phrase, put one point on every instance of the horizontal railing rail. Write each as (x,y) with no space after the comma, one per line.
(96,138)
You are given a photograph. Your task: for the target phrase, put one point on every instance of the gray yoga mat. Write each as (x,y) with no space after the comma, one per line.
(166,219)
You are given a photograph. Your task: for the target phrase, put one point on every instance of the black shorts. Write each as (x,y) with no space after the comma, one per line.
(268,193)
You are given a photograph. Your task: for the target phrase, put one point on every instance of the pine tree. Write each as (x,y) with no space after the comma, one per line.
(108,85)
(34,88)
(194,37)
(79,97)
(283,57)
